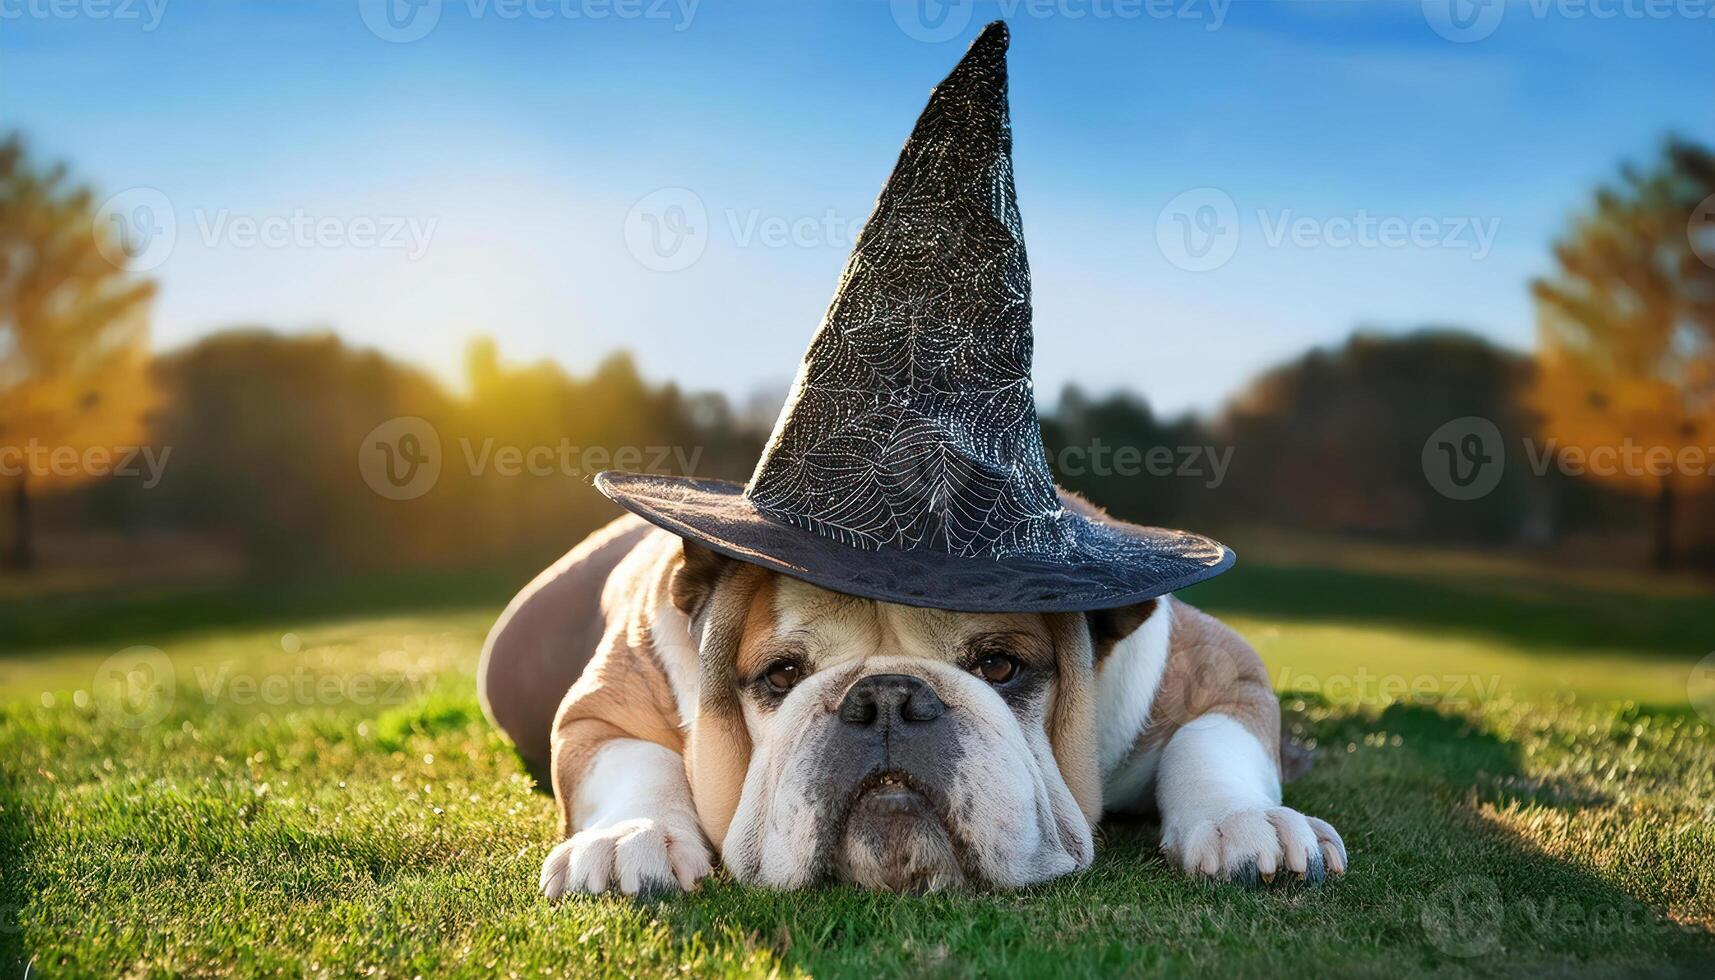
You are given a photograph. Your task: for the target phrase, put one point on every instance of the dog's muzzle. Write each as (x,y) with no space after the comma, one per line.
(890,758)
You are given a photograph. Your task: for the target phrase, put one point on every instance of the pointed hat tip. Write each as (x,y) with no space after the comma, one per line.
(995,35)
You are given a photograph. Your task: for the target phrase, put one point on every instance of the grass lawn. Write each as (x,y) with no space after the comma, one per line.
(1513,757)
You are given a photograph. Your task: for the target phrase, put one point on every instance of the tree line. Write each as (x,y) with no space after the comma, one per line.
(266,437)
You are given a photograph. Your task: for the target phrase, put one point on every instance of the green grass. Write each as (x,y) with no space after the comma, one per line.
(1510,755)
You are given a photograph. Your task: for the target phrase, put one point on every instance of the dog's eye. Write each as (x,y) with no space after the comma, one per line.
(997,668)
(783,675)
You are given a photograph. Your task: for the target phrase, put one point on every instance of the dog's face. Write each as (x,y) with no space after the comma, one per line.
(894,747)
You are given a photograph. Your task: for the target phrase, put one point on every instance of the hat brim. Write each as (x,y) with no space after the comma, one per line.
(1120,563)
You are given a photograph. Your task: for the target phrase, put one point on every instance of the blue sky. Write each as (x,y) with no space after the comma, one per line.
(504,172)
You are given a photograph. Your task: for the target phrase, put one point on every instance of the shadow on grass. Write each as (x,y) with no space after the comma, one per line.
(1435,888)
(1561,618)
(154,616)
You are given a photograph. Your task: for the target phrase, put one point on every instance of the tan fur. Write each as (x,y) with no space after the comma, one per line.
(1211,669)
(759,626)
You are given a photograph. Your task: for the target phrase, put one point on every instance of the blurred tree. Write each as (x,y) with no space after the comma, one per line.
(1115,452)
(73,337)
(1626,327)
(267,433)
(571,428)
(1333,440)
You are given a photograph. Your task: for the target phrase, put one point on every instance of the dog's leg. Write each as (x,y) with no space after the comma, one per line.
(632,823)
(619,777)
(1219,794)
(1218,781)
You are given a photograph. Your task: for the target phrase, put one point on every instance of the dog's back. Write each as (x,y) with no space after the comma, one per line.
(547,634)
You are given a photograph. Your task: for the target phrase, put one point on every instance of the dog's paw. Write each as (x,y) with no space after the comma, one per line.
(634,857)
(1251,846)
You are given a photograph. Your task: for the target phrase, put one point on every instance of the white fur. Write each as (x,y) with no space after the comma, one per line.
(1126,687)
(671,631)
(1219,792)
(636,826)
(1212,766)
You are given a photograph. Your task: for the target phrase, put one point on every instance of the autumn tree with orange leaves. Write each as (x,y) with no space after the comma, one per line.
(74,383)
(1626,330)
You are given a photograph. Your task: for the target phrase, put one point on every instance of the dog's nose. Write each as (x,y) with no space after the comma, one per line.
(885,699)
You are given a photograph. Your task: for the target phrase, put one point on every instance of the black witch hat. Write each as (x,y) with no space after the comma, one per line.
(908,464)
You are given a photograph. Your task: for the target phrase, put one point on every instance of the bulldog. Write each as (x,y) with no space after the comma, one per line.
(685,704)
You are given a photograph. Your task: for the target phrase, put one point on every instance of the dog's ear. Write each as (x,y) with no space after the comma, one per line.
(718,747)
(718,595)
(700,570)
(1109,626)
(1072,712)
